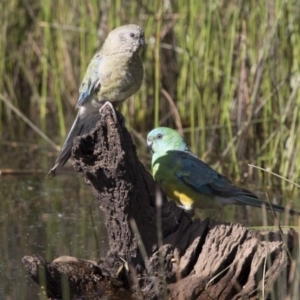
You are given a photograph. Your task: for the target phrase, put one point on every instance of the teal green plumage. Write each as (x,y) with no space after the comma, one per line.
(190,181)
(114,74)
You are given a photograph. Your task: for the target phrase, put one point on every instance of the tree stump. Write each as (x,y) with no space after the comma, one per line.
(156,251)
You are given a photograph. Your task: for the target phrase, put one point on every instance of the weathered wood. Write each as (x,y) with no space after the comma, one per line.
(74,277)
(160,252)
(124,189)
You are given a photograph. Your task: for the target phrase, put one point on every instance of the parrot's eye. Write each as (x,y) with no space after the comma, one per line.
(159,136)
(132,34)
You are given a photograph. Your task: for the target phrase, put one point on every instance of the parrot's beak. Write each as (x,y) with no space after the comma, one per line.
(142,41)
(149,144)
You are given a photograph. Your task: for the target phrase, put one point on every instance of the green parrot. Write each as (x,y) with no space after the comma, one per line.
(191,182)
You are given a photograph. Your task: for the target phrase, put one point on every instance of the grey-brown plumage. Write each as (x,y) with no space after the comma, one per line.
(114,74)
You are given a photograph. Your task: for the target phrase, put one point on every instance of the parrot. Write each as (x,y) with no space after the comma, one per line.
(114,74)
(191,182)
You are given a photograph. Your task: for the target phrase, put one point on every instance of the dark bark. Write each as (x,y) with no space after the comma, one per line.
(159,252)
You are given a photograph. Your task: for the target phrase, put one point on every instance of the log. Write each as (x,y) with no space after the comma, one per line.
(156,250)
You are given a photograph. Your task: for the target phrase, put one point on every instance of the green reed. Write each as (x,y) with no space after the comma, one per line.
(227,72)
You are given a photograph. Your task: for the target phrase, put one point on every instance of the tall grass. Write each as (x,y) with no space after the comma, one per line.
(226,71)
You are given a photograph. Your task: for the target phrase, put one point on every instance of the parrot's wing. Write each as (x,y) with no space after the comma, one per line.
(203,179)
(90,80)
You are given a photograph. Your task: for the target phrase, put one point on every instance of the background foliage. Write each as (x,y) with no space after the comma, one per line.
(224,72)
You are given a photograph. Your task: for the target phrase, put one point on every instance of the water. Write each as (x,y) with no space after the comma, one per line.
(47,217)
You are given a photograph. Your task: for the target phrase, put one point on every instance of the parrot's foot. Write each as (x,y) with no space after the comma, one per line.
(112,109)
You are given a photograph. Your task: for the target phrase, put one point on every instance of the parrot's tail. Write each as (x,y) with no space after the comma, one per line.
(65,153)
(252,201)
(81,125)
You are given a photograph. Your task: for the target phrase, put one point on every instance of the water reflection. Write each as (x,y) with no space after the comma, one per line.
(47,217)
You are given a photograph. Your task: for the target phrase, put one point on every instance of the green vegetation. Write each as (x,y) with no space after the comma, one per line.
(226,72)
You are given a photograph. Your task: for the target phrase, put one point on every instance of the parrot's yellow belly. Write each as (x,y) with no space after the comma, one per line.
(173,193)
(164,171)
